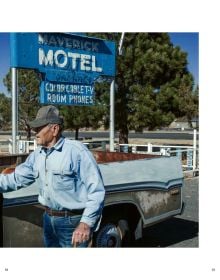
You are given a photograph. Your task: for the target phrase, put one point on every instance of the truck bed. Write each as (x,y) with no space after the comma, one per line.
(120,171)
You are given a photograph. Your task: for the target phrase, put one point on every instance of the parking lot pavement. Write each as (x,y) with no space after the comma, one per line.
(180,231)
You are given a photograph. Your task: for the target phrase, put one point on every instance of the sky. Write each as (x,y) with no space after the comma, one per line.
(4,59)
(188,42)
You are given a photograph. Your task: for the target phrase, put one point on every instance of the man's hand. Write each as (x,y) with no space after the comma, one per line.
(81,234)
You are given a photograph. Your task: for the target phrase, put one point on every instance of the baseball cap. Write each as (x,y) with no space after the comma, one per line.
(46,115)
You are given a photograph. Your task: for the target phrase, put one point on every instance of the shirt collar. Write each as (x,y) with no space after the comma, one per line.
(58,146)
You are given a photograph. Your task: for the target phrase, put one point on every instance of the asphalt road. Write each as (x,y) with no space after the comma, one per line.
(187,135)
(180,231)
(151,135)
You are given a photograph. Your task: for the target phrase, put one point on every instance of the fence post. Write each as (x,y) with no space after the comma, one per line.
(149,148)
(27,147)
(189,159)
(194,149)
(10,146)
(134,149)
(20,146)
(35,144)
(162,151)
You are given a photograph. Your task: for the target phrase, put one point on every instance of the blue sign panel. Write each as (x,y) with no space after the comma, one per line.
(68,94)
(63,57)
(65,61)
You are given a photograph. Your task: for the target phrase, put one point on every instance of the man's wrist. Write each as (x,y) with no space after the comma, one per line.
(84,225)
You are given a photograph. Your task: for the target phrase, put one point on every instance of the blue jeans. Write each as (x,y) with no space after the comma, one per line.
(58,231)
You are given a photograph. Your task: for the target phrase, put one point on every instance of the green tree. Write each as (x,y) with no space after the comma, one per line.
(153,85)
(144,110)
(28,96)
(179,97)
(5,111)
(76,117)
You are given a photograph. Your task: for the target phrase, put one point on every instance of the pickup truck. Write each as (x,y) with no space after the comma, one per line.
(141,190)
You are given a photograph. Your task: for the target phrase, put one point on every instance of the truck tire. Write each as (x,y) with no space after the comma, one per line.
(112,234)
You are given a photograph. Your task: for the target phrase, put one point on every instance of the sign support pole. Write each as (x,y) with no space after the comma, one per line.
(112,102)
(14,109)
(112,115)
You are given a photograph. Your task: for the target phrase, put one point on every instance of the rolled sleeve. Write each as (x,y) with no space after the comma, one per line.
(23,176)
(92,178)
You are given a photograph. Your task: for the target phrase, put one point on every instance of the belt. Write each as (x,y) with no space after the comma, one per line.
(63,213)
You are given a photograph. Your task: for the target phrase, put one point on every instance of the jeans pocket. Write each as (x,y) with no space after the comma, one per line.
(75,220)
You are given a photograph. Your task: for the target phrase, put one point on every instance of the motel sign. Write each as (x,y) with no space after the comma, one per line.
(70,64)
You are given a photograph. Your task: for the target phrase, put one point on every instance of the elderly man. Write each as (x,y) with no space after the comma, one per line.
(70,184)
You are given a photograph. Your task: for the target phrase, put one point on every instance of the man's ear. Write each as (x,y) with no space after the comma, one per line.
(56,129)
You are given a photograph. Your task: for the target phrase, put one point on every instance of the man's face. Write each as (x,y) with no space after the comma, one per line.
(46,136)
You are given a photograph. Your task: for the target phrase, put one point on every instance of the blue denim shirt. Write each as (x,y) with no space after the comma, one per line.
(68,178)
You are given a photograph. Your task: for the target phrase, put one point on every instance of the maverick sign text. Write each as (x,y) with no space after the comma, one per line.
(70,64)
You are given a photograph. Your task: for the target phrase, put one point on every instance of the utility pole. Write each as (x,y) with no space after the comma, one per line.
(112,102)
(121,43)
(112,115)
(14,109)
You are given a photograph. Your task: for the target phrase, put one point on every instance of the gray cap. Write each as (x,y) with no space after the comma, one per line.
(46,115)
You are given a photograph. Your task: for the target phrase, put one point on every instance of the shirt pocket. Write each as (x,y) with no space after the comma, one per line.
(35,174)
(64,179)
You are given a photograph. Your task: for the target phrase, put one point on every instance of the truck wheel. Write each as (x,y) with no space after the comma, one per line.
(111,235)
